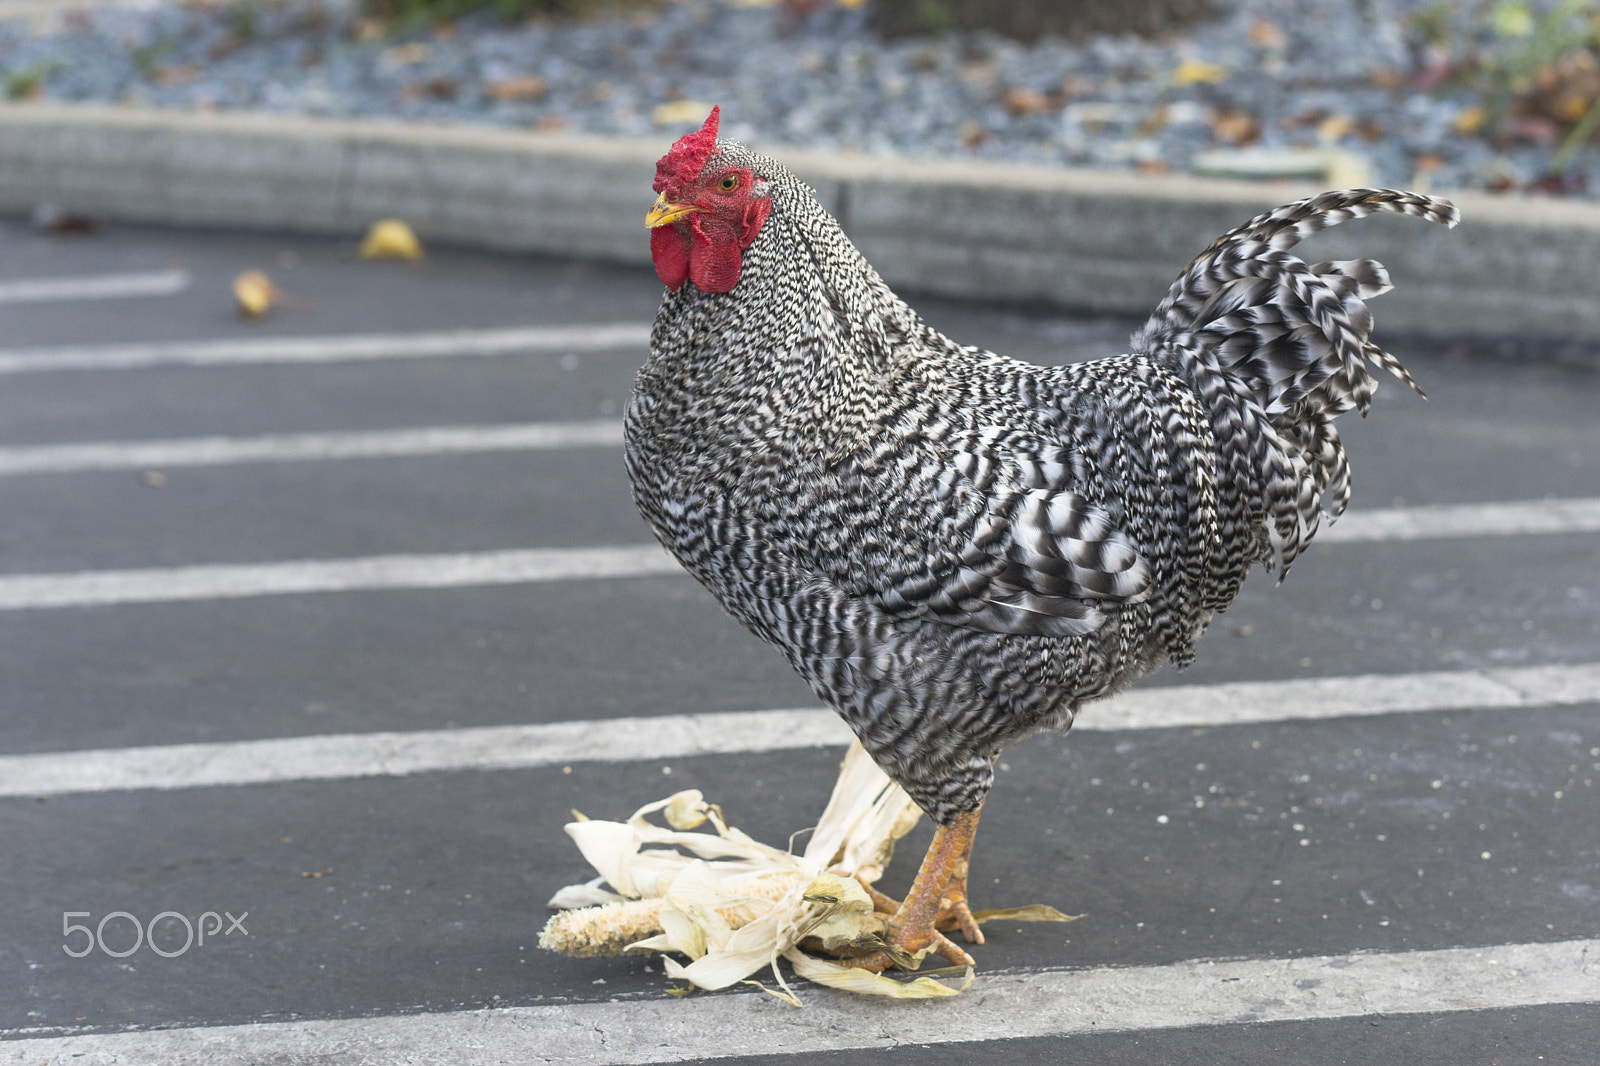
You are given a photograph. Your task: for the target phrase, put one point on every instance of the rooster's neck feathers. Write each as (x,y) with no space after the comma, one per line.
(810,325)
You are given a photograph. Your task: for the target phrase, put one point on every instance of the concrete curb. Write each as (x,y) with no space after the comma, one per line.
(1518,269)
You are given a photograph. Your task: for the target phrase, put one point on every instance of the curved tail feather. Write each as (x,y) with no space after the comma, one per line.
(1276,349)
(1291,332)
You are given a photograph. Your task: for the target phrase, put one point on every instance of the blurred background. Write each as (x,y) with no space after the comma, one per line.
(1501,95)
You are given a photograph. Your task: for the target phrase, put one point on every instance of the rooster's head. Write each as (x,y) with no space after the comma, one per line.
(707,213)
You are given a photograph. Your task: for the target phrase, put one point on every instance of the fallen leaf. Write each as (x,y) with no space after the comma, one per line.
(52,219)
(404,55)
(1072,86)
(255,293)
(1194,71)
(1234,125)
(436,87)
(1264,34)
(1571,106)
(1034,912)
(1027,102)
(1370,129)
(1470,121)
(524,87)
(980,73)
(679,113)
(1334,127)
(391,238)
(1154,122)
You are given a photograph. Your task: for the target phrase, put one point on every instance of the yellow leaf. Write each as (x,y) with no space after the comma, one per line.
(1264,34)
(1470,121)
(1191,71)
(680,113)
(391,238)
(255,293)
(854,979)
(1034,912)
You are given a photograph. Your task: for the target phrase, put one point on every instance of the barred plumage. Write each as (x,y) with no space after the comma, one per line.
(954,548)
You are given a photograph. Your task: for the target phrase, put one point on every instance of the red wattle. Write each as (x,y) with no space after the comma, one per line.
(714,259)
(669,248)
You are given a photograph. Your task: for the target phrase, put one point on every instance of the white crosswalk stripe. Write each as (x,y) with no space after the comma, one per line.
(1002,1006)
(330,349)
(94,287)
(740,732)
(307,447)
(1509,519)
(459,569)
(450,570)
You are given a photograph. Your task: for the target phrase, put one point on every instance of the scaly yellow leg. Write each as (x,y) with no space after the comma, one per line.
(938,895)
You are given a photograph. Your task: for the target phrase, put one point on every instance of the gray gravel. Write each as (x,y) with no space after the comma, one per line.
(1388,82)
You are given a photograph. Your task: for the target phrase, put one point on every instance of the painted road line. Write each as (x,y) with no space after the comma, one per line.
(1513,518)
(307,447)
(230,581)
(94,287)
(330,349)
(1002,1006)
(507,747)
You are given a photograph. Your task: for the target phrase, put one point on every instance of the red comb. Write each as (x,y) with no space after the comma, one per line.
(685,160)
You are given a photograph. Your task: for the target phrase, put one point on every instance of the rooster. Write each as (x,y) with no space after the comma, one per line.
(953,548)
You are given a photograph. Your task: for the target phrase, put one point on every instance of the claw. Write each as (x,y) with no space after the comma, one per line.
(898,956)
(954,912)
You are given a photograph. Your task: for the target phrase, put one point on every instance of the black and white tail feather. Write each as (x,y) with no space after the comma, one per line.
(1278,349)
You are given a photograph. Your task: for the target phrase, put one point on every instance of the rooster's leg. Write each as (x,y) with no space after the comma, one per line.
(954,911)
(939,892)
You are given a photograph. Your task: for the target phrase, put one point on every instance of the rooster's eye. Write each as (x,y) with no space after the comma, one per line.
(728,183)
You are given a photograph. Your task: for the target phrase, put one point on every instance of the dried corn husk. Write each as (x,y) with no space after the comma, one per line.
(733,906)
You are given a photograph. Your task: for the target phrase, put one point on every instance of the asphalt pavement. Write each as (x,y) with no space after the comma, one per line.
(372,897)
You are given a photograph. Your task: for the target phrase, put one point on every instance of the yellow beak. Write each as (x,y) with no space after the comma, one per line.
(664,212)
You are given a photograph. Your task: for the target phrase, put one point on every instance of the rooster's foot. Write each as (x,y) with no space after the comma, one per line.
(954,911)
